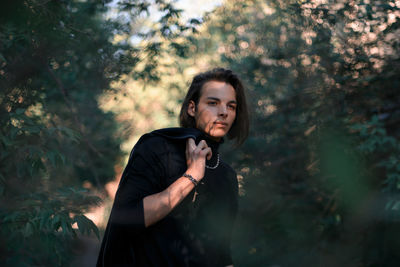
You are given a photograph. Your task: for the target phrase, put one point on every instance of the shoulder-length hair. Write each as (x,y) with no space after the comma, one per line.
(240,127)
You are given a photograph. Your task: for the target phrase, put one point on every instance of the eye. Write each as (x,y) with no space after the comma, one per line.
(212,103)
(232,107)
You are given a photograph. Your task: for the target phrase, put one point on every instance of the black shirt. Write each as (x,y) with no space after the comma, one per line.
(195,233)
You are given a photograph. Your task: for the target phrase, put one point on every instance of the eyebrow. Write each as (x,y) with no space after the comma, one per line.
(217,99)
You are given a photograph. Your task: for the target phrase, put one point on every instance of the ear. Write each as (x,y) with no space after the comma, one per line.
(191,108)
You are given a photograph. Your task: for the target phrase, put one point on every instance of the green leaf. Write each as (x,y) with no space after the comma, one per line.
(28,230)
(44,219)
(32,129)
(66,227)
(2,58)
(396,206)
(51,155)
(55,222)
(19,111)
(85,225)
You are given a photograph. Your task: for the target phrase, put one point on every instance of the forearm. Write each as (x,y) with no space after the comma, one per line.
(159,205)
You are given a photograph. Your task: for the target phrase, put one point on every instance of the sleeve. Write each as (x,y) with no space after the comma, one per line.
(143,176)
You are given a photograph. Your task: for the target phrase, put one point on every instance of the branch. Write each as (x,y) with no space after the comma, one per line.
(70,107)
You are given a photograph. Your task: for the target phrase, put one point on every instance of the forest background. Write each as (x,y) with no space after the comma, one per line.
(81,80)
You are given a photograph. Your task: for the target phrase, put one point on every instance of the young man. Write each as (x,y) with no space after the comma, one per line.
(177,200)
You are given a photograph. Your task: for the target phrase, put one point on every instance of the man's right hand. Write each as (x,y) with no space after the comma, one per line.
(196,158)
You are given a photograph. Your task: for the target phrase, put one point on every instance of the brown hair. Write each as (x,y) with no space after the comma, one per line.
(240,127)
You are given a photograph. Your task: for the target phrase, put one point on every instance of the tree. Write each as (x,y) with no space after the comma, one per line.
(56,60)
(320,169)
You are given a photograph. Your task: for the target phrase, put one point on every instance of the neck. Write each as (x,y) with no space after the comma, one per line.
(210,137)
(216,139)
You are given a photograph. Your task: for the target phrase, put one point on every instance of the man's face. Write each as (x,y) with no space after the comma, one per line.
(216,109)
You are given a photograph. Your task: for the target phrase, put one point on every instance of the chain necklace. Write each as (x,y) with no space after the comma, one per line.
(208,167)
(216,165)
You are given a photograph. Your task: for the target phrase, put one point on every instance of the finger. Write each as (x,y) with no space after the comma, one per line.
(187,146)
(207,152)
(191,144)
(209,155)
(187,151)
(202,145)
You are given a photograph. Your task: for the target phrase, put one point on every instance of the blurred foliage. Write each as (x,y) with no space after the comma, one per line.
(320,171)
(56,60)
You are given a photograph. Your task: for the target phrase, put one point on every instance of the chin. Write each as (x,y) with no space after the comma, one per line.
(217,133)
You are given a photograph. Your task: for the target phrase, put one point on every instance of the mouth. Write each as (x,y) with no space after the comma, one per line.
(221,123)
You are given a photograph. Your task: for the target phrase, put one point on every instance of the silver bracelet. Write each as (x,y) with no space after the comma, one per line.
(194,181)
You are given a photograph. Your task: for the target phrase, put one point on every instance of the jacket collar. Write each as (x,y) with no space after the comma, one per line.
(179,133)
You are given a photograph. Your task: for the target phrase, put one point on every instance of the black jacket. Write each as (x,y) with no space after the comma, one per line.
(194,233)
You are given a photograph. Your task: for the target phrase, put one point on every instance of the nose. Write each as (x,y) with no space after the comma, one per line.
(223,112)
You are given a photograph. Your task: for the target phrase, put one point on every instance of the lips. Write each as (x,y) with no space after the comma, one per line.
(221,123)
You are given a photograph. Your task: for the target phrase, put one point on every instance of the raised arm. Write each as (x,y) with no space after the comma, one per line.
(159,205)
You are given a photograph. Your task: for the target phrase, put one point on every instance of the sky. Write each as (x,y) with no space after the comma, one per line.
(196,8)
(191,9)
